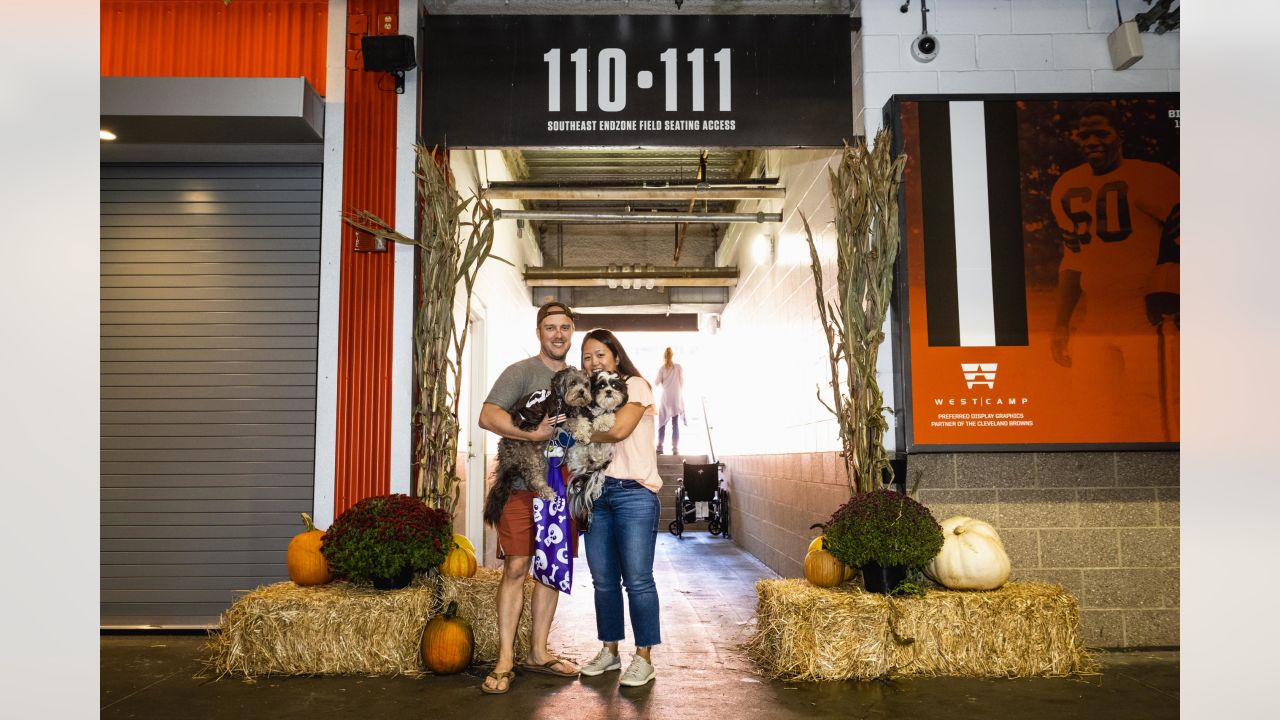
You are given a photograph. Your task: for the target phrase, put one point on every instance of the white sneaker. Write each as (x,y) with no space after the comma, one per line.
(638,673)
(603,662)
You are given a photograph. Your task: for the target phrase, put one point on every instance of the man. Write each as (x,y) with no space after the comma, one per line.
(1119,217)
(515,529)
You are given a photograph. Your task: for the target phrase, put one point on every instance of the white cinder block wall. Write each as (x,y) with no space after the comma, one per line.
(1002,46)
(772,350)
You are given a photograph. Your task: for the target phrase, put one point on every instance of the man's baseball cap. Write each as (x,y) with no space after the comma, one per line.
(554,307)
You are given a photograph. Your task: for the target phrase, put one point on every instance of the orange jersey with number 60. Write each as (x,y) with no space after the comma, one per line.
(1113,227)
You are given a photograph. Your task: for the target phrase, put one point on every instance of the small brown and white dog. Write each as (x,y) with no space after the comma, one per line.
(587,460)
(569,394)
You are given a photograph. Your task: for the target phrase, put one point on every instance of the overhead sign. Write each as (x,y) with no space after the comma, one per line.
(636,80)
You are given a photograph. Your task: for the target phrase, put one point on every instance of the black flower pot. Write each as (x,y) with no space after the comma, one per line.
(394,583)
(883,579)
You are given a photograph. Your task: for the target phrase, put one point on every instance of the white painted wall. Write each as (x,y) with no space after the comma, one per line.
(771,348)
(330,266)
(1001,46)
(402,284)
(500,292)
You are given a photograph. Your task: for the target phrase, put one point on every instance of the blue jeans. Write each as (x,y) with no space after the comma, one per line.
(675,433)
(620,545)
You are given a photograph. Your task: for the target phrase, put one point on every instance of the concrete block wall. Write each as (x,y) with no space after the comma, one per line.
(1103,525)
(773,499)
(1001,46)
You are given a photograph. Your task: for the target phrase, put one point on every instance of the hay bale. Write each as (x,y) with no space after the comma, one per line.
(1024,629)
(346,629)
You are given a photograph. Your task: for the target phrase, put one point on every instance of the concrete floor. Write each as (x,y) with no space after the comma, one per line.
(708,599)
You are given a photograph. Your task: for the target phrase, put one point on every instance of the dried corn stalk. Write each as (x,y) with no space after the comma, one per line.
(455,238)
(864,188)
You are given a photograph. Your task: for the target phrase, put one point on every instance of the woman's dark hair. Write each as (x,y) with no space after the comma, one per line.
(607,338)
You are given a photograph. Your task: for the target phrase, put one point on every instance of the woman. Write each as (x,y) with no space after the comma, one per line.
(624,520)
(671,379)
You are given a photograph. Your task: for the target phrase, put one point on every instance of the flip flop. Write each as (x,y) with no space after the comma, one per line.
(498,677)
(548,668)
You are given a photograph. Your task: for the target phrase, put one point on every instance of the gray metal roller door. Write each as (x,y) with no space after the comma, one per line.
(210,294)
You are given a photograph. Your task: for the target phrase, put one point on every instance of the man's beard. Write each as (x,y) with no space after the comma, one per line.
(551,353)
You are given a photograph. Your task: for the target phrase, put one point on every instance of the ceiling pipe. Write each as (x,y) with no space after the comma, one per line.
(604,275)
(635,217)
(636,194)
(710,182)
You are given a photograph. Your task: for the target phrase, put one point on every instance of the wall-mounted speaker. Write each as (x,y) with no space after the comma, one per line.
(388,53)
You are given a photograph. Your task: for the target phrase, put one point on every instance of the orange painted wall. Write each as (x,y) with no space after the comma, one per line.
(208,38)
(363,457)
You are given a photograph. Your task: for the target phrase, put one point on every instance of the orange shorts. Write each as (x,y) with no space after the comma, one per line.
(515,527)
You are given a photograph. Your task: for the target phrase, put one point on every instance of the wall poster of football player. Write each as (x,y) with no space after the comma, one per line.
(1038,280)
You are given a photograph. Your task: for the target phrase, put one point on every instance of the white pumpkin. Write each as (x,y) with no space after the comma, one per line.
(972,556)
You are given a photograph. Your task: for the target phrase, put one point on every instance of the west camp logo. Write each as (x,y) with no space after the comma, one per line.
(975,375)
(979,374)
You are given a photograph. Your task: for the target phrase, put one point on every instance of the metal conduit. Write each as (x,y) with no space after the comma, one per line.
(635,194)
(630,271)
(634,217)
(639,276)
(632,184)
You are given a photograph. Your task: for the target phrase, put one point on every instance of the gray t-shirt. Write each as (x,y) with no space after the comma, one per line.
(514,384)
(518,380)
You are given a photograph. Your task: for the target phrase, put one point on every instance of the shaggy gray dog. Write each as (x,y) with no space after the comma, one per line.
(569,394)
(587,460)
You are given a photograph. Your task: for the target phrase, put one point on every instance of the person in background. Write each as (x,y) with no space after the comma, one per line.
(670,378)
(624,520)
(515,528)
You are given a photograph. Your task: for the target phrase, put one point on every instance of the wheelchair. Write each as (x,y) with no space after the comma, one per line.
(700,496)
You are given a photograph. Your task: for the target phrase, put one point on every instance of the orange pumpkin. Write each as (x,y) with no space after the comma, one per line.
(823,569)
(447,643)
(307,566)
(820,543)
(462,541)
(460,562)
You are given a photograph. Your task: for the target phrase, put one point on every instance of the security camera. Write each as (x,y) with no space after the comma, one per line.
(924,48)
